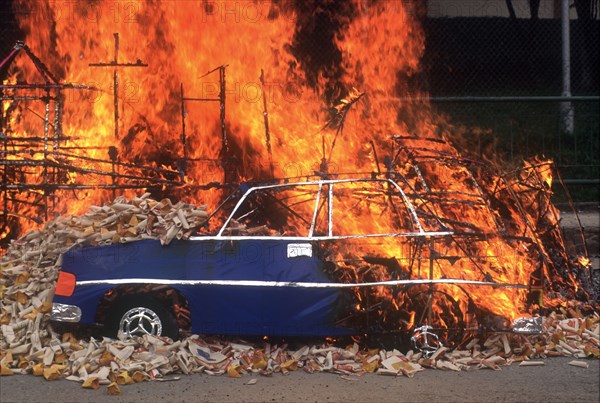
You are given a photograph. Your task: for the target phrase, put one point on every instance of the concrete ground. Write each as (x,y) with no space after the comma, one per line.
(556,381)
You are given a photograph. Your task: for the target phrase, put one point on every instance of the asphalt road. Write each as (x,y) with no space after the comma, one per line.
(556,381)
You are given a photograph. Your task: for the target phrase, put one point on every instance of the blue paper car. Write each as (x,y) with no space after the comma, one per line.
(291,280)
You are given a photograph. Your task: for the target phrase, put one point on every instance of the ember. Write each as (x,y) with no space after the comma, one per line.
(450,245)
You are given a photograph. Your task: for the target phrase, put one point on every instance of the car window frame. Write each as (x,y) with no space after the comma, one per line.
(420,232)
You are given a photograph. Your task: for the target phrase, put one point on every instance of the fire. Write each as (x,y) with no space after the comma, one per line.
(331,112)
(584,261)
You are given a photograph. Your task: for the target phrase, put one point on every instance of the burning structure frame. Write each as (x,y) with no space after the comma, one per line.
(419,157)
(54,162)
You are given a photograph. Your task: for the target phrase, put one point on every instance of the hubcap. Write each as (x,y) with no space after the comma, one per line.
(140,321)
(425,340)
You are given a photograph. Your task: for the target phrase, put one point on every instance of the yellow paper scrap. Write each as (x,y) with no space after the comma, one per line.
(91,382)
(124,379)
(232,371)
(113,389)
(4,370)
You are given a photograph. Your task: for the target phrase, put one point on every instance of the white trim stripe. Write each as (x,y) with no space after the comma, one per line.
(319,238)
(258,283)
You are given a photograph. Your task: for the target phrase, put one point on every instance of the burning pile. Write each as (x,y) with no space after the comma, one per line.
(504,227)
(29,345)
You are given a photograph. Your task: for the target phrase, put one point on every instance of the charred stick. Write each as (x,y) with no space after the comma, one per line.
(572,206)
(183,134)
(6,139)
(443,200)
(340,128)
(285,206)
(51,187)
(39,65)
(105,173)
(224,146)
(115,64)
(31,203)
(121,164)
(375,156)
(116,87)
(544,254)
(266,121)
(447,220)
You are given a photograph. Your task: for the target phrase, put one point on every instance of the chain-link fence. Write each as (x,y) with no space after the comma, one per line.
(500,77)
(9,29)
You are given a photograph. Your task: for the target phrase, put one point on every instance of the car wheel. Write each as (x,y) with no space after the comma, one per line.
(139,316)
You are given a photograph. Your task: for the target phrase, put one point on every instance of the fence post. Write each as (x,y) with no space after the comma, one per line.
(567,114)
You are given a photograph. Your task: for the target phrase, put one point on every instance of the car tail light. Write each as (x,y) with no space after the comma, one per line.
(65,285)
